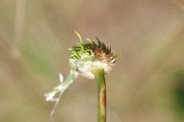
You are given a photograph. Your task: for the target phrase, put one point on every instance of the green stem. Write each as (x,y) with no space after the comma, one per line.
(100,79)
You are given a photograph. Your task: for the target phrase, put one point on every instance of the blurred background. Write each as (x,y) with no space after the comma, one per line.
(147,84)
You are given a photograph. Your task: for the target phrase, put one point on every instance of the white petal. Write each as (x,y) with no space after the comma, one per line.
(50,96)
(60,77)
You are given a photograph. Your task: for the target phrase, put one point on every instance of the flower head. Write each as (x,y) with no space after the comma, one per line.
(89,56)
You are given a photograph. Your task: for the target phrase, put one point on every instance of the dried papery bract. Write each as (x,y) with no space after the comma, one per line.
(91,60)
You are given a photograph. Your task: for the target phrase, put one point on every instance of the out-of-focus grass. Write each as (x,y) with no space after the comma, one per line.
(146,85)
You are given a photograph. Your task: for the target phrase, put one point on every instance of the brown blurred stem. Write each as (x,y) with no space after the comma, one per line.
(100,79)
(19,27)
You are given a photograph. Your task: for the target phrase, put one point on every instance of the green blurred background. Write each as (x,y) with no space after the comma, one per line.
(147,84)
